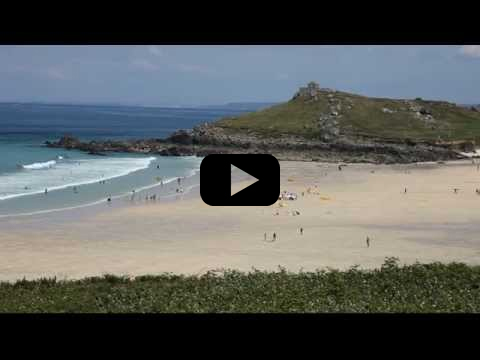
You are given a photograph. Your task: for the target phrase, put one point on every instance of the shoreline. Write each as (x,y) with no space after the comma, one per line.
(338,210)
(192,183)
(95,205)
(78,184)
(139,192)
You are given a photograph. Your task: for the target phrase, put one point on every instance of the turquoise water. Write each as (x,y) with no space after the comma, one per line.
(74,179)
(34,178)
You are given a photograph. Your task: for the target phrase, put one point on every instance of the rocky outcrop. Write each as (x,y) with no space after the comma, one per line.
(184,137)
(209,139)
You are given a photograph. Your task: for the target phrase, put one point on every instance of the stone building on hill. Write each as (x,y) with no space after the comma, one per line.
(311,91)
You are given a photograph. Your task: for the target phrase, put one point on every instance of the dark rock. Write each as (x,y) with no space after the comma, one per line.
(183,137)
(93,152)
(425,111)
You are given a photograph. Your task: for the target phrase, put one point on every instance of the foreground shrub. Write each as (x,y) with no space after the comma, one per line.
(428,288)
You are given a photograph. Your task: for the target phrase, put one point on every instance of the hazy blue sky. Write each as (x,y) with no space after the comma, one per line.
(200,75)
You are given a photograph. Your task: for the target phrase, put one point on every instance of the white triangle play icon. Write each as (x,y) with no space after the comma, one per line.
(246,182)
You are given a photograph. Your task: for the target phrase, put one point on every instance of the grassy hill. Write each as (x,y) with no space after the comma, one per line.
(356,115)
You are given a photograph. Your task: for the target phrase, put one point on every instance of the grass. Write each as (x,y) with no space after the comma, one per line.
(300,117)
(415,288)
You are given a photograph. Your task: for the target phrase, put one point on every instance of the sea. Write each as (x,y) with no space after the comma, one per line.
(37,179)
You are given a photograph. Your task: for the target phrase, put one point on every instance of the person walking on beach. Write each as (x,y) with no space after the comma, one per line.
(405,190)
(368,242)
(46,191)
(274,236)
(301,231)
(455,190)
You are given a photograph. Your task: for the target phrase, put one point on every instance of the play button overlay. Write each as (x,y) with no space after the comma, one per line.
(247,180)
(240,180)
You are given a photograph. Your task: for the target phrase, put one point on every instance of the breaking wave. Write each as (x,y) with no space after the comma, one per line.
(67,173)
(40,165)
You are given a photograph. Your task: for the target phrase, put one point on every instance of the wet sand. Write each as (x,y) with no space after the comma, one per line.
(428,223)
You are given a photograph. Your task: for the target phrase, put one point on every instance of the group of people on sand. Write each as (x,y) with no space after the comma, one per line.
(300,231)
(147,196)
(153,197)
(275,236)
(179,189)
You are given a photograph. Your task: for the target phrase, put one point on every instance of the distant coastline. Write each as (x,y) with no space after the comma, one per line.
(234,105)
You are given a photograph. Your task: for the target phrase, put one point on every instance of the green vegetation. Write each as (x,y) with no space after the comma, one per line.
(392,288)
(359,115)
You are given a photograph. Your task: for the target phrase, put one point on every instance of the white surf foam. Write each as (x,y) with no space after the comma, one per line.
(103,200)
(40,165)
(67,174)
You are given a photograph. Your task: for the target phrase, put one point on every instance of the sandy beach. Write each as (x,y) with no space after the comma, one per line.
(338,211)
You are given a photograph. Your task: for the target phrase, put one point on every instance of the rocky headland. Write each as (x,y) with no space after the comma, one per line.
(318,125)
(210,139)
